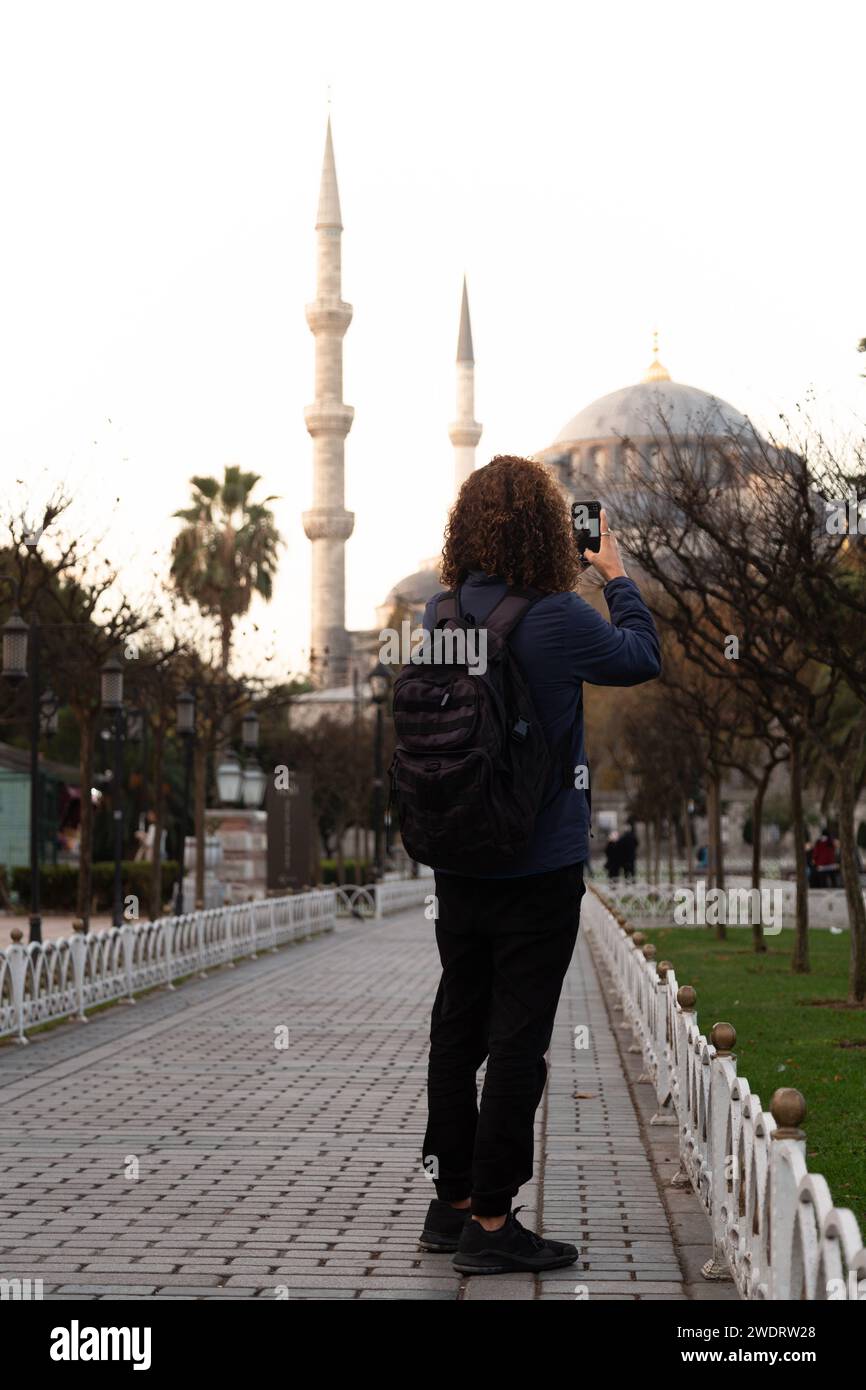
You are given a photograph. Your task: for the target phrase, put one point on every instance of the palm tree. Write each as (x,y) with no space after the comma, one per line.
(227,551)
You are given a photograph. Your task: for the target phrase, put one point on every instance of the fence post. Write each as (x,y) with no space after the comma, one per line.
(787,1146)
(723,1072)
(646,1013)
(664,1114)
(17,958)
(78,951)
(127,937)
(682,1022)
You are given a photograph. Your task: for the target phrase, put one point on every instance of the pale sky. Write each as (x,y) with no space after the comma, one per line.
(597,170)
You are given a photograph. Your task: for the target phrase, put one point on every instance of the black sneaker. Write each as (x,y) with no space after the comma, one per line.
(442,1227)
(509,1249)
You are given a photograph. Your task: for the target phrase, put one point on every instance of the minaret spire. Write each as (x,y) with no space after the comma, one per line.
(328,525)
(465,431)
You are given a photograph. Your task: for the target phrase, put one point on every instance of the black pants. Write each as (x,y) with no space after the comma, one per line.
(505,945)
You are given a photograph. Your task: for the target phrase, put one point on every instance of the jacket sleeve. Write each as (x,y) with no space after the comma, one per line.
(624,651)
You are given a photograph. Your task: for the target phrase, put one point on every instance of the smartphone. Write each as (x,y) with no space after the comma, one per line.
(586,520)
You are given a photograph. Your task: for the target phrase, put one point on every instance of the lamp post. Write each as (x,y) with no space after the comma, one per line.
(16,638)
(185,722)
(254,779)
(112,703)
(229,777)
(380,681)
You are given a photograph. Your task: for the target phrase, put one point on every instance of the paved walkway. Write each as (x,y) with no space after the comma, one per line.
(170,1149)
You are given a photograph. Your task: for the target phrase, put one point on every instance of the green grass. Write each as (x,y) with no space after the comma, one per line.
(786,1039)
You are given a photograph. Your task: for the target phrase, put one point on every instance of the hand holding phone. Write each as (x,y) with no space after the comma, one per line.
(586,520)
(595,540)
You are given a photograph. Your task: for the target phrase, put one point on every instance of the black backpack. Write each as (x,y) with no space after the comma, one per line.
(472,763)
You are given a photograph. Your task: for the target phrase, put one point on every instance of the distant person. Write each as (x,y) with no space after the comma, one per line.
(628,848)
(810,865)
(825,858)
(146,838)
(612,857)
(703,856)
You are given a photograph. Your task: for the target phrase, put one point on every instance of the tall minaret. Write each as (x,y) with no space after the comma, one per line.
(465,432)
(328,525)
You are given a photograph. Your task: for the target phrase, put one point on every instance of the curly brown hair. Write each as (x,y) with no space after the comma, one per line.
(511,520)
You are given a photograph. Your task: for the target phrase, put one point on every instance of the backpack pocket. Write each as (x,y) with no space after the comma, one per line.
(434,716)
(446,805)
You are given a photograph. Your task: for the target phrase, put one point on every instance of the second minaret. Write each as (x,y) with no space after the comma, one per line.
(328,525)
(465,432)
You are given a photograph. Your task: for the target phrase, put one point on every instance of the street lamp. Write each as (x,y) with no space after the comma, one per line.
(380,682)
(111,683)
(15,633)
(229,778)
(185,724)
(254,783)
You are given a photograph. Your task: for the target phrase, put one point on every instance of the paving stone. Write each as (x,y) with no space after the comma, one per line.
(260,1169)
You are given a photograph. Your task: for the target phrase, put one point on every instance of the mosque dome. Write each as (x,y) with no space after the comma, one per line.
(596,448)
(648,407)
(654,405)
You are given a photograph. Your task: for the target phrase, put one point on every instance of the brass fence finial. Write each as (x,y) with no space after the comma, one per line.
(686,998)
(723,1036)
(788,1109)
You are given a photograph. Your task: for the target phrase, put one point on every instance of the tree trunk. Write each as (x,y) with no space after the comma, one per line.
(657,850)
(800,959)
(720,844)
(341,859)
(200,792)
(86,727)
(690,846)
(159,812)
(671,835)
(851,881)
(757,826)
(712,842)
(649,848)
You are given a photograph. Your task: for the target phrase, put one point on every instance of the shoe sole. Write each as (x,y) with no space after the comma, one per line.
(517,1267)
(436,1245)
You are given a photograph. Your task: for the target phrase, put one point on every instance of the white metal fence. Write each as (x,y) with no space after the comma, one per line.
(775,1229)
(828,907)
(43,983)
(60,979)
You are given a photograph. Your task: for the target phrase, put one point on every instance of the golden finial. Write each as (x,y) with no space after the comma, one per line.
(655,371)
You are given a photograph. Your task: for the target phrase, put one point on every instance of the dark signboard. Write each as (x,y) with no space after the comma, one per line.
(289,806)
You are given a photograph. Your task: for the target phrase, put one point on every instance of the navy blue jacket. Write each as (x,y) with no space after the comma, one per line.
(560,643)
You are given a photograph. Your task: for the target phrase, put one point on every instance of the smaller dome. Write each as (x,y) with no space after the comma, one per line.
(415,588)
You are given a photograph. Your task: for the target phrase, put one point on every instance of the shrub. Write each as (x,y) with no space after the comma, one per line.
(351,866)
(58,884)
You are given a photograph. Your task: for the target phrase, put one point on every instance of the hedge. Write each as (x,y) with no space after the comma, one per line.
(58,884)
(350,867)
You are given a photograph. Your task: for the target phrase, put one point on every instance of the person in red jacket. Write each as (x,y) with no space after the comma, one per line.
(825,860)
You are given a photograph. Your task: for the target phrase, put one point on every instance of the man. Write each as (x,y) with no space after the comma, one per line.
(505,939)
(628,847)
(612,856)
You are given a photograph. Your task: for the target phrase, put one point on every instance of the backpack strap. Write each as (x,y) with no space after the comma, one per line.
(507,613)
(447,609)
